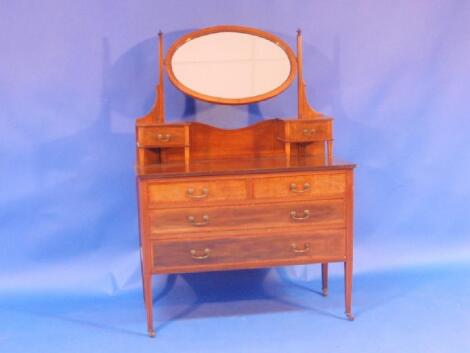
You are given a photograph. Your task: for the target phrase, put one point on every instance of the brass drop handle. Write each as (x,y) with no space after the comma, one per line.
(204,193)
(164,138)
(205,221)
(293,188)
(309,132)
(200,257)
(293,215)
(305,249)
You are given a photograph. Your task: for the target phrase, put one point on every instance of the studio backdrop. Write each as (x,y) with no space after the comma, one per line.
(74,76)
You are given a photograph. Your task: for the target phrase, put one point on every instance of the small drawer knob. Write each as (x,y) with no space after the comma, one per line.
(164,138)
(205,254)
(295,217)
(310,131)
(202,195)
(205,221)
(305,249)
(293,188)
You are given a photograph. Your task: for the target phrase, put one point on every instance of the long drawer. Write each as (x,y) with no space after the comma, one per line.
(285,214)
(247,252)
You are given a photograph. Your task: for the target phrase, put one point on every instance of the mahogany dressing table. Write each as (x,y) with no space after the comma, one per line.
(269,194)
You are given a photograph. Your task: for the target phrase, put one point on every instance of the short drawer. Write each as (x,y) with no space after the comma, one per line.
(206,219)
(248,252)
(196,192)
(161,136)
(298,186)
(312,130)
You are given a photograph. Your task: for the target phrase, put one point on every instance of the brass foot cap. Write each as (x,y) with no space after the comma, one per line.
(350,316)
(152,333)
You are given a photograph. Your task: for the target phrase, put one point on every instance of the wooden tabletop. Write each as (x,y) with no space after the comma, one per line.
(239,166)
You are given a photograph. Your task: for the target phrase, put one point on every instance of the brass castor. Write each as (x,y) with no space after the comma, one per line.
(324,292)
(152,333)
(350,316)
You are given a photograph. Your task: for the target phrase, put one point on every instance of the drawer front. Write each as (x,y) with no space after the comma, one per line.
(206,219)
(249,251)
(299,185)
(309,130)
(196,192)
(162,136)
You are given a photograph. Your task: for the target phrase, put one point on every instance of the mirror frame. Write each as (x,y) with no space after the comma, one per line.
(231,101)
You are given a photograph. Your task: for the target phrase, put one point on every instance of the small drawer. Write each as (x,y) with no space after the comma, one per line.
(299,186)
(299,131)
(248,251)
(196,192)
(258,216)
(161,136)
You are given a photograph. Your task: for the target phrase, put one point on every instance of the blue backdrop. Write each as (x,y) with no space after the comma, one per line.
(74,75)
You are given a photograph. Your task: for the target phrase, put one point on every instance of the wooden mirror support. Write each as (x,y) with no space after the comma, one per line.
(269,194)
(300,138)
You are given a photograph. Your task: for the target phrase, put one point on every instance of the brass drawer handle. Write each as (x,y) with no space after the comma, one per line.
(204,193)
(308,132)
(305,249)
(205,221)
(200,257)
(164,138)
(293,188)
(293,215)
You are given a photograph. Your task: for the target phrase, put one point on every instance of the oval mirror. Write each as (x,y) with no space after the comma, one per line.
(231,65)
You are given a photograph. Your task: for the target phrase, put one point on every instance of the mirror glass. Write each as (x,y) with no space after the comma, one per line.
(231,67)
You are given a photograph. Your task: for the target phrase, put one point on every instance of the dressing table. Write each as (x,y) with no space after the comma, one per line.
(269,194)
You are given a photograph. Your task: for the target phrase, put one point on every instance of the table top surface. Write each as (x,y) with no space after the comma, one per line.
(240,166)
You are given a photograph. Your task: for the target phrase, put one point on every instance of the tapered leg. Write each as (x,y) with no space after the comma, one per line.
(348,288)
(148,297)
(324,279)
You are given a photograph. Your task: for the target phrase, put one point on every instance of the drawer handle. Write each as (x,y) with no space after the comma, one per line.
(305,249)
(205,221)
(308,132)
(200,257)
(164,138)
(293,215)
(293,188)
(204,193)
